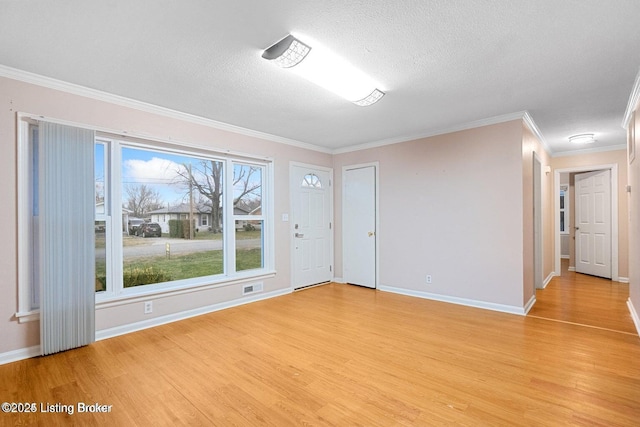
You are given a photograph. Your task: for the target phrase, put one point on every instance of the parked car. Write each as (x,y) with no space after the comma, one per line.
(133,225)
(149,229)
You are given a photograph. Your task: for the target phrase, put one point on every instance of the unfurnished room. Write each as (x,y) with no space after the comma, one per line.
(357,213)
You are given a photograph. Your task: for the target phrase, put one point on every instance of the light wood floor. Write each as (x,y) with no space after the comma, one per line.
(585,300)
(342,355)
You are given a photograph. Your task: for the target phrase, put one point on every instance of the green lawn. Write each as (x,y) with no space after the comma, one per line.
(143,271)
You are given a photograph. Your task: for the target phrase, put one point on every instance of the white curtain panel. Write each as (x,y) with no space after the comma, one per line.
(66,197)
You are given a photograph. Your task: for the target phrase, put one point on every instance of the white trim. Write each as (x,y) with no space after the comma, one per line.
(511,309)
(376,166)
(29,316)
(614,213)
(464,126)
(529,305)
(634,99)
(538,252)
(20,354)
(571,268)
(634,315)
(548,279)
(157,321)
(623,279)
(50,83)
(565,256)
(528,120)
(338,280)
(24,224)
(589,150)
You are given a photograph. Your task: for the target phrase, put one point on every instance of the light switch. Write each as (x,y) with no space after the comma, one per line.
(285,217)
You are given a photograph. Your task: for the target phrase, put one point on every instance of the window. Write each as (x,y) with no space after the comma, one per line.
(311,180)
(214,227)
(564,209)
(247,212)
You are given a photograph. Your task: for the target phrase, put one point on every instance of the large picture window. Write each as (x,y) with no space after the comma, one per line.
(165,217)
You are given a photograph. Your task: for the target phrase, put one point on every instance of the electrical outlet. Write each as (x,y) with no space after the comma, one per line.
(428,279)
(148,307)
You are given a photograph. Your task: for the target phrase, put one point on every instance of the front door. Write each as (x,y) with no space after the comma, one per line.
(359,226)
(593,223)
(311,196)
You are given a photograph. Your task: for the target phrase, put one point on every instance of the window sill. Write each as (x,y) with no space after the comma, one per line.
(28,316)
(137,294)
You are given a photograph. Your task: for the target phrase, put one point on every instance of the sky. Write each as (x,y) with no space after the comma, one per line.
(157,170)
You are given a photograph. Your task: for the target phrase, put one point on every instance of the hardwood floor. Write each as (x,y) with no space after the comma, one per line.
(585,300)
(342,355)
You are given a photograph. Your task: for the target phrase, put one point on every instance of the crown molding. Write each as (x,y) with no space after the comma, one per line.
(520,115)
(528,120)
(74,89)
(634,98)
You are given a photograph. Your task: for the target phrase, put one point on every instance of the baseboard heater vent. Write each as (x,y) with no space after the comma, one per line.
(251,289)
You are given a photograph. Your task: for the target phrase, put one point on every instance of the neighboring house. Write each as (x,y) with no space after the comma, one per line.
(100,226)
(201,215)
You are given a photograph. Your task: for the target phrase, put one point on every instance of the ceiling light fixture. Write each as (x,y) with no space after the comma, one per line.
(583,138)
(324,68)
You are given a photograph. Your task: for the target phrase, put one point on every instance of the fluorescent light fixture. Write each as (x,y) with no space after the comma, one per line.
(287,53)
(324,68)
(583,138)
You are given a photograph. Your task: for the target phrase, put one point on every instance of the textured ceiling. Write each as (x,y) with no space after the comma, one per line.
(570,63)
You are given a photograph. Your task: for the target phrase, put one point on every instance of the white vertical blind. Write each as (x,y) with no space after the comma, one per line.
(66,199)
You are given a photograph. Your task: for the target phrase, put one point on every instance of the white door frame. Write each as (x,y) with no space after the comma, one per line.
(292,242)
(538,225)
(614,213)
(376,166)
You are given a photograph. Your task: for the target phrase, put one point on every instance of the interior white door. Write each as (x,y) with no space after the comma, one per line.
(593,223)
(311,222)
(359,226)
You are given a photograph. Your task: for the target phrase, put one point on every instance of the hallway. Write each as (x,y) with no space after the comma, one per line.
(585,300)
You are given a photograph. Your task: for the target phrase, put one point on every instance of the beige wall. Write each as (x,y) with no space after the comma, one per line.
(618,157)
(531,145)
(18,96)
(634,214)
(450,206)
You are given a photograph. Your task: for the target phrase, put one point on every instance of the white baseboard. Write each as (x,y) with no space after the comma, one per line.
(20,354)
(157,321)
(572,268)
(461,301)
(634,315)
(530,303)
(26,353)
(623,279)
(338,280)
(548,279)
(565,256)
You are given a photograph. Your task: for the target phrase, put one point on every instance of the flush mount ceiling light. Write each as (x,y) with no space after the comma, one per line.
(324,68)
(583,138)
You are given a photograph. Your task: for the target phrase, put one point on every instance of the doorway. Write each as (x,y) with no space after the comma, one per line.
(311,224)
(360,224)
(593,223)
(613,208)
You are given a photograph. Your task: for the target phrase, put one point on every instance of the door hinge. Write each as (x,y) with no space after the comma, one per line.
(329,226)
(330,268)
